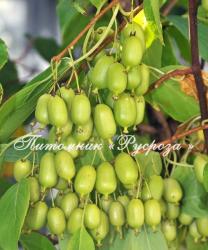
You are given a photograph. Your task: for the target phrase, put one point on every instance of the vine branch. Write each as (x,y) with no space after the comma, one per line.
(196,67)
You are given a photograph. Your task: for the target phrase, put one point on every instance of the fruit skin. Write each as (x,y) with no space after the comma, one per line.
(156,186)
(102,230)
(132,51)
(135,214)
(173,211)
(202,226)
(47,173)
(116,78)
(125,111)
(92,216)
(66,129)
(69,142)
(36,217)
(68,203)
(62,184)
(126,175)
(57,111)
(146,193)
(163,207)
(152,213)
(124,200)
(75,220)
(205,4)
(145,75)
(169,230)
(56,221)
(98,74)
(64,165)
(67,94)
(193,231)
(41,110)
(99,32)
(105,203)
(116,214)
(134,78)
(83,133)
(140,109)
(103,116)
(80,110)
(22,168)
(185,219)
(34,189)
(85,180)
(106,182)
(172,190)
(110,100)
(58,199)
(200,162)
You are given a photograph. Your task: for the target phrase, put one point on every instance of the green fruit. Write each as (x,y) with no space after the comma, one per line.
(57,111)
(145,79)
(156,186)
(117,214)
(125,111)
(172,190)
(134,78)
(140,109)
(56,221)
(169,230)
(70,142)
(68,95)
(83,133)
(34,189)
(66,129)
(152,213)
(97,57)
(58,199)
(116,78)
(173,211)
(64,165)
(124,200)
(185,219)
(199,164)
(202,226)
(41,111)
(205,5)
(85,180)
(106,179)
(193,231)
(36,217)
(132,51)
(104,121)
(110,100)
(105,203)
(92,216)
(127,175)
(163,207)
(75,220)
(52,137)
(98,74)
(102,230)
(62,184)
(22,168)
(80,110)
(134,29)
(47,173)
(99,32)
(135,214)
(68,203)
(146,193)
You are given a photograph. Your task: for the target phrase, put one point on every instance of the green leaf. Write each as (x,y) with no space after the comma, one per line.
(97,3)
(1,93)
(205,177)
(13,208)
(20,106)
(36,241)
(81,240)
(4,186)
(3,53)
(195,198)
(152,14)
(149,164)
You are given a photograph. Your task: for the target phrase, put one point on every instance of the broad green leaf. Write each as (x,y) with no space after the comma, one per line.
(20,106)
(152,14)
(205,177)
(195,201)
(36,241)
(1,93)
(81,240)
(3,54)
(13,208)
(149,164)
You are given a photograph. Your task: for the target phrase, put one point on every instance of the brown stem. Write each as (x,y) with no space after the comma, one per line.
(81,34)
(196,67)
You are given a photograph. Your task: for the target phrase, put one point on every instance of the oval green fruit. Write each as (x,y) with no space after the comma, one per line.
(68,95)
(68,203)
(22,168)
(85,180)
(80,109)
(134,78)
(62,184)
(34,189)
(169,230)
(56,221)
(57,111)
(156,186)
(66,129)
(146,193)
(104,121)
(200,162)
(41,110)
(202,226)
(106,182)
(83,133)
(152,213)
(92,216)
(127,175)
(116,78)
(145,79)
(185,219)
(172,190)
(47,172)
(135,214)
(70,143)
(117,214)
(110,100)
(75,220)
(99,32)
(140,109)
(163,207)
(125,111)
(193,231)
(105,203)
(58,199)
(124,200)
(173,211)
